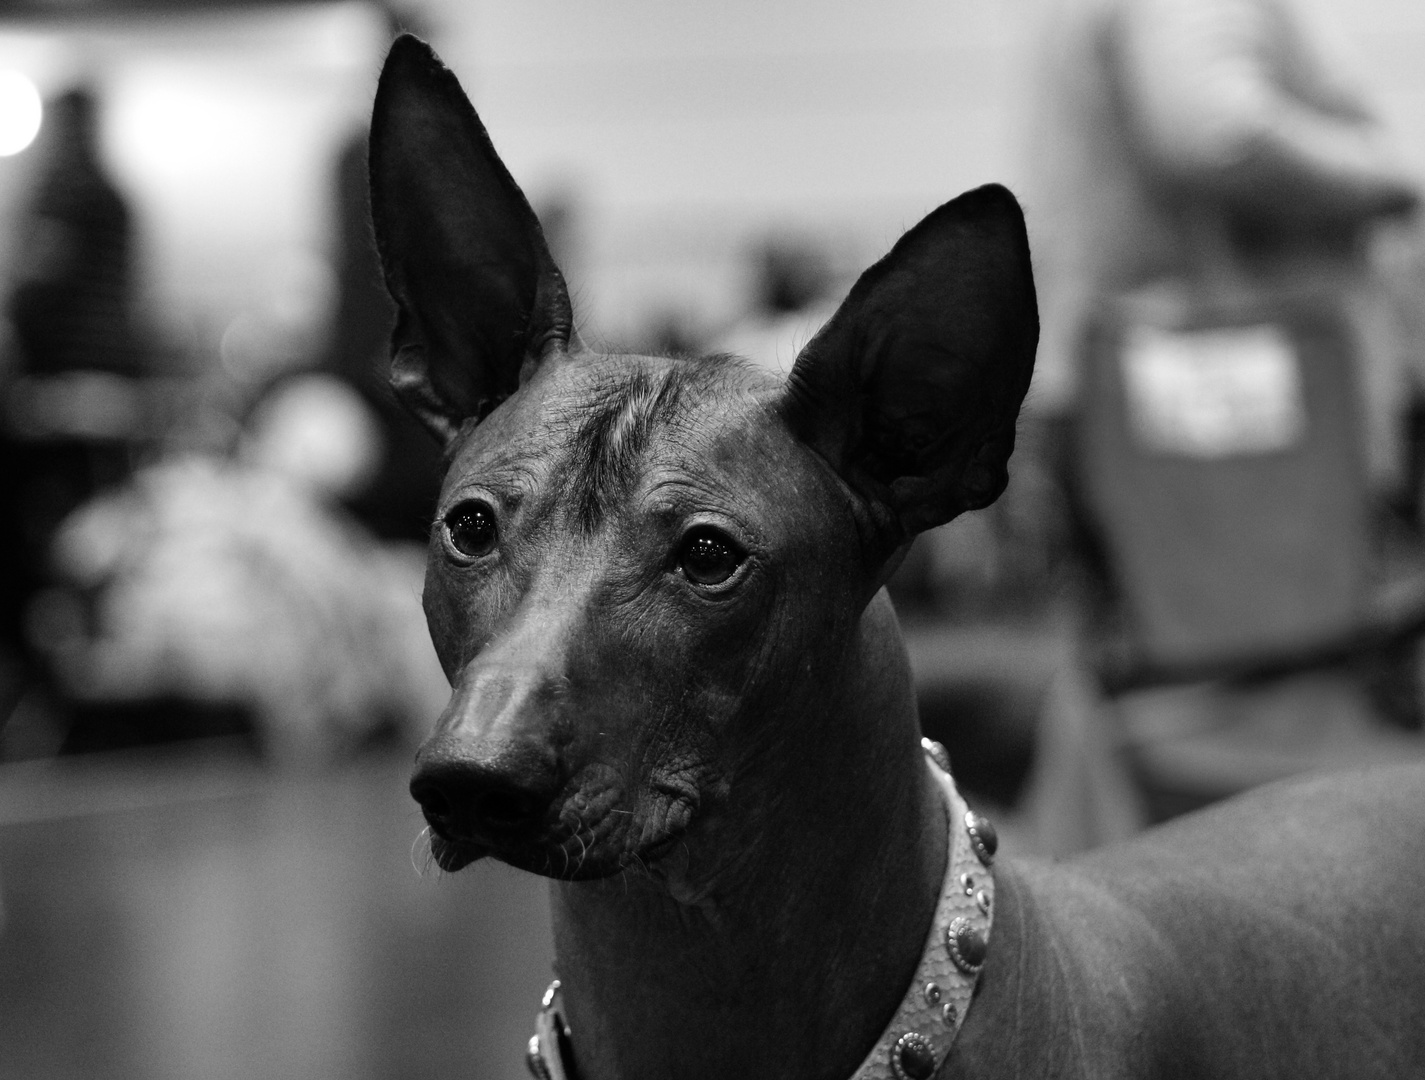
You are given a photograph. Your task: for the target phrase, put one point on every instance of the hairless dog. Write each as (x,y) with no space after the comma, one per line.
(655,584)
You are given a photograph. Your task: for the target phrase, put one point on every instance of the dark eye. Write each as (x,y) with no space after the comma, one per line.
(709,557)
(471,528)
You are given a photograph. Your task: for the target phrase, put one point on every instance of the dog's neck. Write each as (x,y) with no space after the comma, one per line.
(792,959)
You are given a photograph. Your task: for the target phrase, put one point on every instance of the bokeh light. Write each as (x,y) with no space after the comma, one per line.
(20,112)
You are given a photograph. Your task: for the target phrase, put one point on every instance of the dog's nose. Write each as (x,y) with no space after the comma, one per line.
(480,793)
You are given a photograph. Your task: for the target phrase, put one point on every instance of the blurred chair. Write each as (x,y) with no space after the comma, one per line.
(1236,609)
(1204,664)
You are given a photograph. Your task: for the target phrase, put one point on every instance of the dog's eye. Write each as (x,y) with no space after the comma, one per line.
(471,528)
(709,557)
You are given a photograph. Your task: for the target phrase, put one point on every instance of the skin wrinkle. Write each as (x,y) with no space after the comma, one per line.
(653,814)
(506,481)
(757,743)
(610,442)
(675,766)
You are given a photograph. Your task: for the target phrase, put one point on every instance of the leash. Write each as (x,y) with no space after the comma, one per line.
(919,1036)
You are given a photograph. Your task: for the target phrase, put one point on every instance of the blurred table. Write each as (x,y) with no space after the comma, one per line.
(185,914)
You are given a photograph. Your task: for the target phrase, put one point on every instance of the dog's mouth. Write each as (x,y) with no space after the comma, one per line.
(578,846)
(452,855)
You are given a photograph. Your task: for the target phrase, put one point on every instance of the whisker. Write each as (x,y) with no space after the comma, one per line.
(583,850)
(422,837)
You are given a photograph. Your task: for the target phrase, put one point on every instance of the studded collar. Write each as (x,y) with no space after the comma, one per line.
(918,1038)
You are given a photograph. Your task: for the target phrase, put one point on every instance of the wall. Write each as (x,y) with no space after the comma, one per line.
(690,130)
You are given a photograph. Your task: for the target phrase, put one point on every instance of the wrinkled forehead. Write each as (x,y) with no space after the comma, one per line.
(591,421)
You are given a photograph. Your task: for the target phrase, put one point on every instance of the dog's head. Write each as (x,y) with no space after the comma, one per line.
(646,572)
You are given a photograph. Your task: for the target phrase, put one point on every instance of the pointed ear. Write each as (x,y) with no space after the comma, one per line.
(479,299)
(912,389)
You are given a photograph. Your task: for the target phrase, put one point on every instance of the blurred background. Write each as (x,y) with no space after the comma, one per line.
(1207,571)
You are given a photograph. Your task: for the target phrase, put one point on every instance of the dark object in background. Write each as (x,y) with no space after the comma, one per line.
(72,311)
(791,274)
(397,503)
(123,725)
(73,325)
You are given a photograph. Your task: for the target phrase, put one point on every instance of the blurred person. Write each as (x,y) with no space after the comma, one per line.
(70,410)
(1172,133)
(1219,355)
(72,309)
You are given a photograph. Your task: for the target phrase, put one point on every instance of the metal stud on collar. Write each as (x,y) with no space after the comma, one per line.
(934,1007)
(983,837)
(534,1060)
(913,1057)
(545,1058)
(967,945)
(937,753)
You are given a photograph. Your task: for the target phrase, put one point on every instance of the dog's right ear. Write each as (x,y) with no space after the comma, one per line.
(912,388)
(480,300)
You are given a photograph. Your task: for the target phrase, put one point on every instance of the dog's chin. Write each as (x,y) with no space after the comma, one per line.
(601,848)
(453,855)
(575,861)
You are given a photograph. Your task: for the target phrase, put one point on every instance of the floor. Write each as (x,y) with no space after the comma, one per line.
(184,915)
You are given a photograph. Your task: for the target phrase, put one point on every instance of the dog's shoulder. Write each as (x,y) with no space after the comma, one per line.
(1056,997)
(1312,851)
(1297,885)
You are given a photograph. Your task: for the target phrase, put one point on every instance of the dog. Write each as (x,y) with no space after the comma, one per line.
(679,691)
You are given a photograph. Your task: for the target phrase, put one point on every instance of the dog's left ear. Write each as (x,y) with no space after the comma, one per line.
(912,389)
(479,297)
